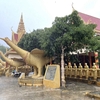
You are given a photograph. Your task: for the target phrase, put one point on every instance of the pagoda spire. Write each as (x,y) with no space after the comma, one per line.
(21,27)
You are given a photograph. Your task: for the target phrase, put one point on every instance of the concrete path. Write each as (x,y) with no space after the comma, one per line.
(10,90)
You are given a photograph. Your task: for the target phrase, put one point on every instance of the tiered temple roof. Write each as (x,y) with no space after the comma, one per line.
(20,31)
(16,38)
(91,19)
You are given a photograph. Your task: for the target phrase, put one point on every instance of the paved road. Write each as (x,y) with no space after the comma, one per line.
(10,90)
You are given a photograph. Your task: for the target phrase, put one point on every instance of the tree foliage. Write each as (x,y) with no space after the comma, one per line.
(3,48)
(71,33)
(68,33)
(95,46)
(31,40)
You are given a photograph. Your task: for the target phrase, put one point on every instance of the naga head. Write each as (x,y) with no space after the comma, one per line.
(5,39)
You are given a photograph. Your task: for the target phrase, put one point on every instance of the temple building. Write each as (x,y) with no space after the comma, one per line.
(91,57)
(87,19)
(15,39)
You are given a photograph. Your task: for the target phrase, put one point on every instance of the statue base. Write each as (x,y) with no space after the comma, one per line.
(28,81)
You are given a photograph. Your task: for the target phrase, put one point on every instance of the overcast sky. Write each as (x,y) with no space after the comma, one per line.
(38,14)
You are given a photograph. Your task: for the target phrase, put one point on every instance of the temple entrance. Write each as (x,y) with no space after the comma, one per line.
(88,58)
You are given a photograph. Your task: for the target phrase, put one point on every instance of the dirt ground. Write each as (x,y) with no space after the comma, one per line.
(10,90)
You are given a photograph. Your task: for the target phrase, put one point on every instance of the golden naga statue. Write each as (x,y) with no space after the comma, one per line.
(14,63)
(34,58)
(3,68)
(3,63)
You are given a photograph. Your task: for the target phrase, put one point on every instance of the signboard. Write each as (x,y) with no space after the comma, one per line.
(50,72)
(52,76)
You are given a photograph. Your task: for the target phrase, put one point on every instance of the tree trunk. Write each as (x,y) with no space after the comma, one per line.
(62,68)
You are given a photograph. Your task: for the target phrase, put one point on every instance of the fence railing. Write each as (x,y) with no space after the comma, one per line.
(82,72)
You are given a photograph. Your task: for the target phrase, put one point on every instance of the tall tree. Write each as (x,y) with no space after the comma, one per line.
(69,34)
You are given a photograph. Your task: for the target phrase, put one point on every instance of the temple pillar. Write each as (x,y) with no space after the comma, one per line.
(96,59)
(90,60)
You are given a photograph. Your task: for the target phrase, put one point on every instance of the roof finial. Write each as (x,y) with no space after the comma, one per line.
(72,7)
(21,16)
(12,29)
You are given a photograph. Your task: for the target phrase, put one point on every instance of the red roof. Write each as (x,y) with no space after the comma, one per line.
(16,37)
(90,19)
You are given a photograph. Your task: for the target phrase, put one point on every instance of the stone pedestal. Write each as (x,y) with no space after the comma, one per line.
(28,81)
